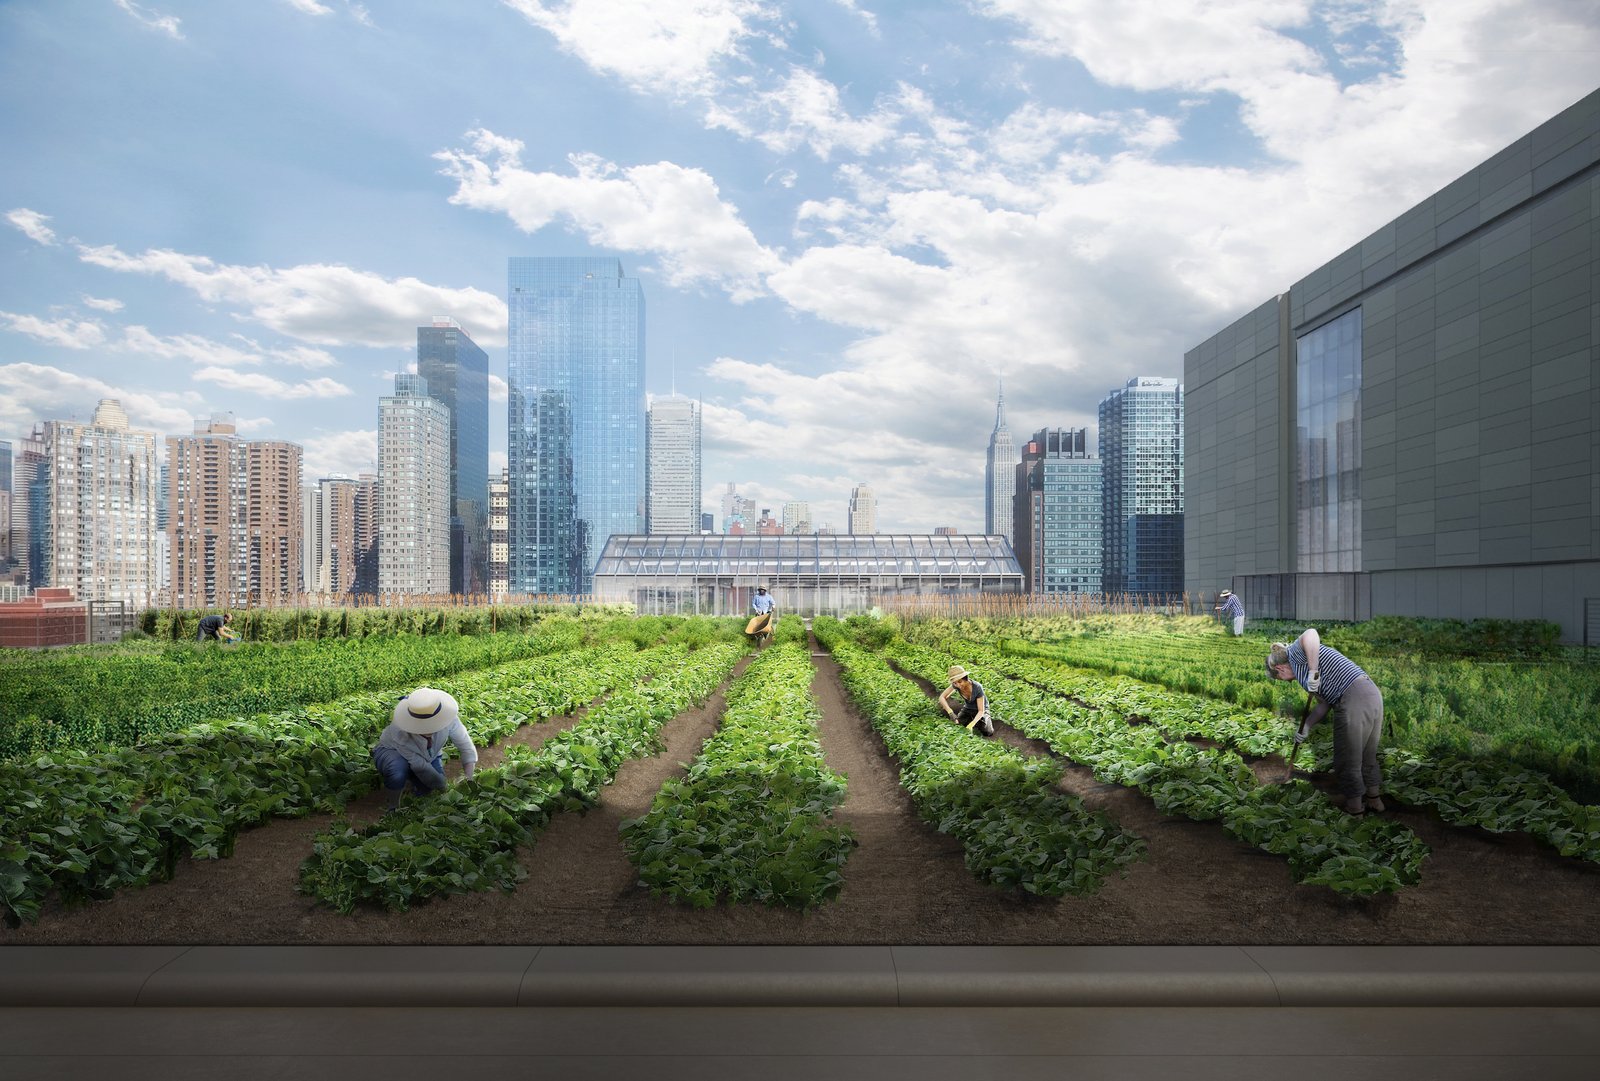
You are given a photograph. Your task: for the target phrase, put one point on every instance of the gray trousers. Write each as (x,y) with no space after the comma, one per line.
(1357,727)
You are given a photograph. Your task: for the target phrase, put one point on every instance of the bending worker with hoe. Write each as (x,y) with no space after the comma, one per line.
(765,619)
(1337,685)
(974,711)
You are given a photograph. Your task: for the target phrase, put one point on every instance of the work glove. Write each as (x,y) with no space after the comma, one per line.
(1299,736)
(1313,681)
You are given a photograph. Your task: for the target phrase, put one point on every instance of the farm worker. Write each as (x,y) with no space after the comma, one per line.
(1357,707)
(412,747)
(765,618)
(211,626)
(1231,609)
(974,712)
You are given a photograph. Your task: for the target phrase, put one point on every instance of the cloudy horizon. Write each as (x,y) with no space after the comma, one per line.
(851,220)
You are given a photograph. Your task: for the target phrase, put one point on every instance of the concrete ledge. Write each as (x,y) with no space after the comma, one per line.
(920,976)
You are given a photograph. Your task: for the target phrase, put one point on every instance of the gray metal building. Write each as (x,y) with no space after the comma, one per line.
(1411,429)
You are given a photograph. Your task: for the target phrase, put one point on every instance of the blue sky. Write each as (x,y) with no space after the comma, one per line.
(850,218)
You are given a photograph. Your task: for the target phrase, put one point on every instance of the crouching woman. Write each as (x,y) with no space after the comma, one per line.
(411,749)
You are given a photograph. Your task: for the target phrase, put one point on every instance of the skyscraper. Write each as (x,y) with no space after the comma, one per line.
(95,497)
(5,504)
(29,460)
(499,530)
(576,417)
(413,490)
(863,511)
(797,517)
(1000,475)
(341,536)
(1057,522)
(234,531)
(1141,448)
(672,503)
(457,372)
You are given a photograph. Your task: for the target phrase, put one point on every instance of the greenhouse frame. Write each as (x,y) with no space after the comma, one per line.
(808,574)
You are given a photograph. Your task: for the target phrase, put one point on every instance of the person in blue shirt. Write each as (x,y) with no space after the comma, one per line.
(765,616)
(1343,689)
(1232,610)
(411,749)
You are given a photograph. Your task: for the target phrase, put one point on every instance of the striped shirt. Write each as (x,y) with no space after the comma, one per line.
(1337,670)
(1231,607)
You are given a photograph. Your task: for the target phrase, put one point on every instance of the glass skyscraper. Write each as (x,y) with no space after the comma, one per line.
(1141,451)
(1058,513)
(576,417)
(457,374)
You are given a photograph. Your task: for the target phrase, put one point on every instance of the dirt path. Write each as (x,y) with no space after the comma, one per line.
(905,883)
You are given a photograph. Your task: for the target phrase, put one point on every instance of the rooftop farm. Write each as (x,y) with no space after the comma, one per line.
(665,779)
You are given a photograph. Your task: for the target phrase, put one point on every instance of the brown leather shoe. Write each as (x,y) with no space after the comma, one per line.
(1354,805)
(1374,803)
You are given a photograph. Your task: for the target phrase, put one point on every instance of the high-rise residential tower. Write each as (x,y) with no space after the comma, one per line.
(797,517)
(94,530)
(457,372)
(233,524)
(576,417)
(1057,523)
(341,536)
(1141,448)
(5,504)
(672,503)
(499,531)
(413,490)
(863,511)
(1000,475)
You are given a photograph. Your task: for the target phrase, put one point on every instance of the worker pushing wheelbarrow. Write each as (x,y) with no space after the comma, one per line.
(765,618)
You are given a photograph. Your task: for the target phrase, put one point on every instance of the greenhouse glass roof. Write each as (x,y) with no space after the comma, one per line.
(804,555)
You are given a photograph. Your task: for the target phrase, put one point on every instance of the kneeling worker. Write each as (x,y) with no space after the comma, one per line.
(412,747)
(974,712)
(1357,706)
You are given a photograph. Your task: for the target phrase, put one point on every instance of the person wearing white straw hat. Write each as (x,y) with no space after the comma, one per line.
(974,712)
(1232,609)
(411,749)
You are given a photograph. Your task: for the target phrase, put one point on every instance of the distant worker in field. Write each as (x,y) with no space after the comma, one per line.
(974,711)
(411,749)
(213,626)
(1232,611)
(1345,690)
(765,618)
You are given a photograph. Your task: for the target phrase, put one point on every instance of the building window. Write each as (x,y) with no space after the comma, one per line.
(1328,446)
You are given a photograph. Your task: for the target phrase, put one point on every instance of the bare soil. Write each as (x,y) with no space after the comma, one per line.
(904,883)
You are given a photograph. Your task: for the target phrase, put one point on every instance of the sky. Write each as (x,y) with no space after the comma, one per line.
(851,219)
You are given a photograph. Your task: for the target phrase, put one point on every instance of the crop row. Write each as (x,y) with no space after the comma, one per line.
(465,839)
(1324,846)
(89,701)
(1018,832)
(87,823)
(750,820)
(1465,792)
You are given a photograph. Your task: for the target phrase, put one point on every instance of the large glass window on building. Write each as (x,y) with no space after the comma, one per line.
(1328,446)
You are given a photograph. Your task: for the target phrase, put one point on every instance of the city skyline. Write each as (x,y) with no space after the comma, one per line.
(847,218)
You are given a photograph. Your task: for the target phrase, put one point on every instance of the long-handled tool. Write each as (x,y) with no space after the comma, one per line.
(1304,715)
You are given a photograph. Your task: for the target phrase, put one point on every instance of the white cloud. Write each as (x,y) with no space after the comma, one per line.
(103,304)
(167,24)
(267,387)
(70,333)
(865,16)
(318,303)
(667,210)
(310,7)
(669,47)
(499,390)
(35,392)
(497,463)
(349,453)
(251,425)
(805,110)
(32,223)
(199,350)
